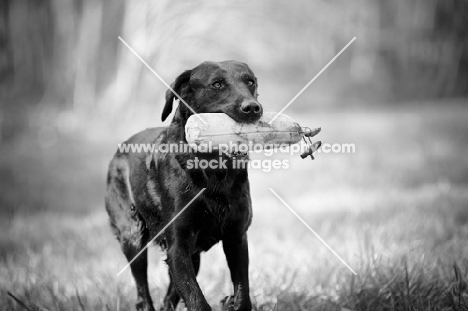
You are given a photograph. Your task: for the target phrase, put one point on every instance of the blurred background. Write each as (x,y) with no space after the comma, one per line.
(397,209)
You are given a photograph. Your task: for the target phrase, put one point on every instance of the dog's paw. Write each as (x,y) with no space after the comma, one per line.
(227,304)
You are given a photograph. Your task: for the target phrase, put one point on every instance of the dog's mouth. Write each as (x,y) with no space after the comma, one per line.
(242,118)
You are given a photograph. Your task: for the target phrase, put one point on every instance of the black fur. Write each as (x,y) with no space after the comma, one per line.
(145,191)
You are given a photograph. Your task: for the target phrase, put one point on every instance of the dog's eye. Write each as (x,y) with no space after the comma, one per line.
(250,82)
(217,85)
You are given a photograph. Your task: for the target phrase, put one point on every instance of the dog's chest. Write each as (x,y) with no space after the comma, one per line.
(213,221)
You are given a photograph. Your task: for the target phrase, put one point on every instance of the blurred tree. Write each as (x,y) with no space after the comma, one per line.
(25,59)
(450,26)
(29,52)
(424,47)
(6,53)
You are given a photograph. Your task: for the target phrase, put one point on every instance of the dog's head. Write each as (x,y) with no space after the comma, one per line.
(228,87)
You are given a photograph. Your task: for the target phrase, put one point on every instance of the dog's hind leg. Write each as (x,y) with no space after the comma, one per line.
(129,227)
(172,297)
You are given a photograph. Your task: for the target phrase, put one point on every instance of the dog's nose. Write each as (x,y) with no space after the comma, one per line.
(251,108)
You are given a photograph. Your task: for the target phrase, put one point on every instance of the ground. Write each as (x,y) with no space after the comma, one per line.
(396,210)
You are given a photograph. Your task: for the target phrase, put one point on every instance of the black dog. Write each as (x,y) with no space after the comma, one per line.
(146,191)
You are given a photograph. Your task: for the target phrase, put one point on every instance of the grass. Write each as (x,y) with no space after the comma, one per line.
(396,211)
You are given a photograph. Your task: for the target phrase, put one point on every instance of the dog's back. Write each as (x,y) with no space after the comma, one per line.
(126,177)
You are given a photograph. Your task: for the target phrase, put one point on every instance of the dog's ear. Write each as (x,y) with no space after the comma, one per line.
(179,86)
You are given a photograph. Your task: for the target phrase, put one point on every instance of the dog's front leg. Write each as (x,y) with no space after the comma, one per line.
(237,255)
(179,259)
